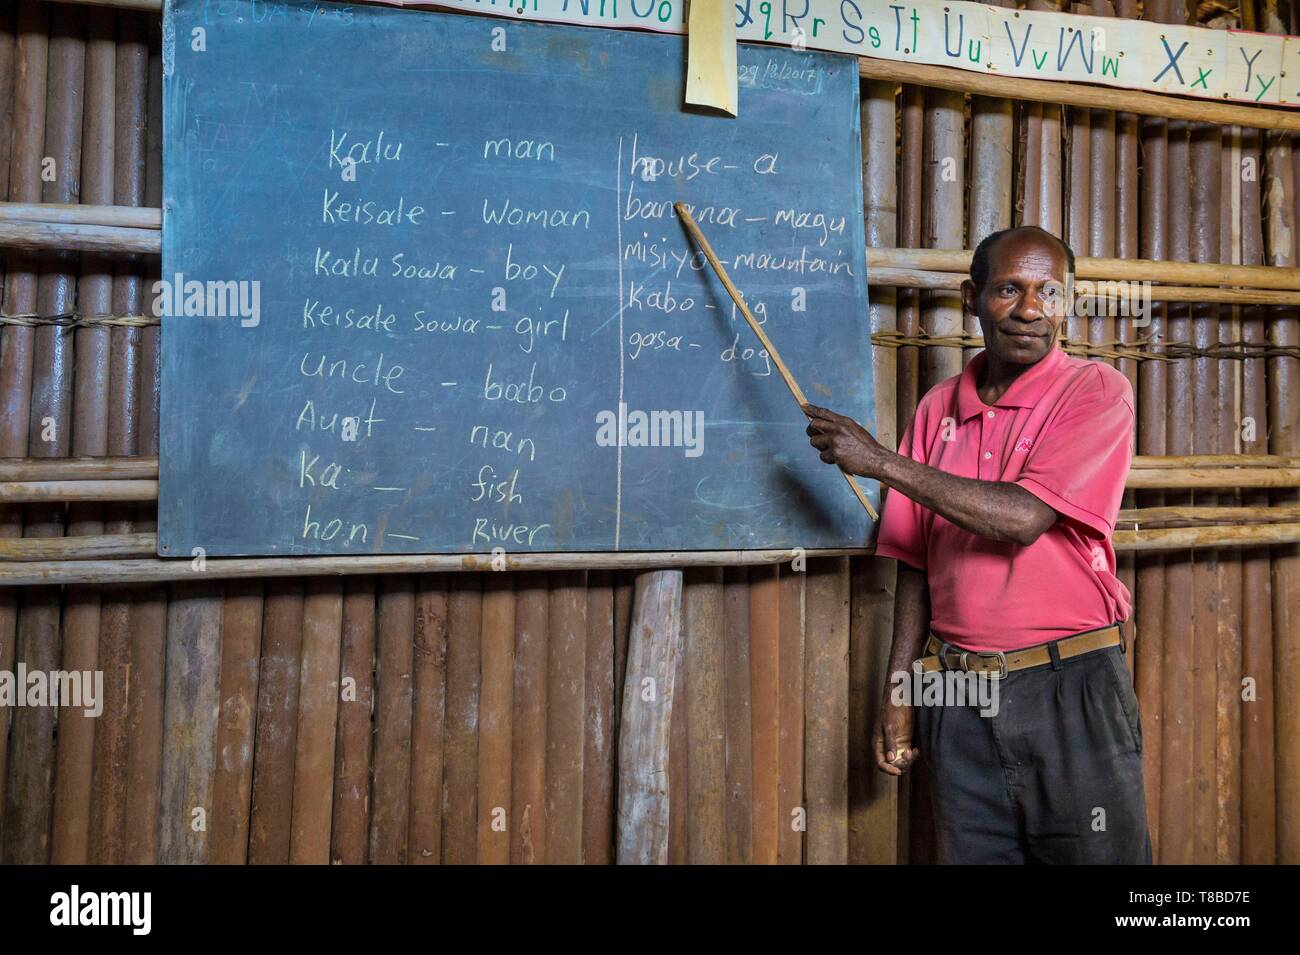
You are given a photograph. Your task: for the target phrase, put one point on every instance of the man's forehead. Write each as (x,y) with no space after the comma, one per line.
(1028,251)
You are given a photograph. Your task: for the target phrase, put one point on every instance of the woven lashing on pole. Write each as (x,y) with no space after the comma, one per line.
(75,320)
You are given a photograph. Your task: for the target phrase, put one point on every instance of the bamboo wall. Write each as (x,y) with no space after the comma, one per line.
(474,717)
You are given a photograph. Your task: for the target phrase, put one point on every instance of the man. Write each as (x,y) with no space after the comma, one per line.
(1002,501)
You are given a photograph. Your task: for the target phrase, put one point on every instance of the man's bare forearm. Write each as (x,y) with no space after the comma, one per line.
(997,510)
(911,620)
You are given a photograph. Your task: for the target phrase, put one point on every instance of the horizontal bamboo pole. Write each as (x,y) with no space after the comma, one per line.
(1208,515)
(35,236)
(1126,270)
(30,492)
(148,6)
(131,217)
(1214,535)
(93,547)
(98,571)
(1213,477)
(29,480)
(1078,94)
(1144,462)
(226,568)
(146,466)
(915,278)
(72,469)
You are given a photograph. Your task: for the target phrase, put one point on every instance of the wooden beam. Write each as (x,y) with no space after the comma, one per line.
(349,840)
(565,716)
(34,236)
(826,738)
(140,571)
(318,703)
(1215,535)
(1213,477)
(428,717)
(887,277)
(145,468)
(703,641)
(193,672)
(71,469)
(241,654)
(91,547)
(275,735)
(1205,515)
(130,217)
(1077,94)
(655,644)
(1087,267)
(1144,461)
(148,6)
(28,492)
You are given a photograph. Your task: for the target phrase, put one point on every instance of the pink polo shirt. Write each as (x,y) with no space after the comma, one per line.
(1063,431)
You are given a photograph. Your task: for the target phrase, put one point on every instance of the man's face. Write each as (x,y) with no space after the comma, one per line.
(1023,303)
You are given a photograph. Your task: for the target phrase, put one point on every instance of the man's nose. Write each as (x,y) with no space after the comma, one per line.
(1028,309)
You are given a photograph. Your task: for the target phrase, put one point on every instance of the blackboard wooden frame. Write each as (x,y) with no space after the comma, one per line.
(174,569)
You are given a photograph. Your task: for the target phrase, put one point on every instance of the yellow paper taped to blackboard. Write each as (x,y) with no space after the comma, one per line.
(711,56)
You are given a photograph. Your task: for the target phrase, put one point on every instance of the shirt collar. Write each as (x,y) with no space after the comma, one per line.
(1023,393)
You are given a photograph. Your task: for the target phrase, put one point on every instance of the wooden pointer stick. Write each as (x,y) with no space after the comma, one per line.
(684,214)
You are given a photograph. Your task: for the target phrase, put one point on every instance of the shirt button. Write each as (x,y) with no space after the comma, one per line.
(987,455)
(991,414)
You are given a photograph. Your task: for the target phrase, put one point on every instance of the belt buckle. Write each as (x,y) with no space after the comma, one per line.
(1002,665)
(963,660)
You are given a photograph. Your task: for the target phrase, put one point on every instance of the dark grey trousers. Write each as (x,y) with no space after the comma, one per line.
(1054,777)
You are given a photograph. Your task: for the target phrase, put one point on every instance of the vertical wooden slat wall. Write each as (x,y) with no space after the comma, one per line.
(1151,391)
(1281,200)
(1259,789)
(149,604)
(1126,244)
(475,718)
(23,47)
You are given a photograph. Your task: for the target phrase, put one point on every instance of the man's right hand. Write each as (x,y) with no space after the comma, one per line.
(893,739)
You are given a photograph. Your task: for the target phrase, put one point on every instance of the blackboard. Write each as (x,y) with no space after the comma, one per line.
(416,263)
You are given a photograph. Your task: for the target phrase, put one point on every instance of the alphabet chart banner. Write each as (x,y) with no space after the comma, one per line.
(1129,54)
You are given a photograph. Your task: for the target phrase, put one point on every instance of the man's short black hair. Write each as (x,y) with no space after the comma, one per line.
(979,263)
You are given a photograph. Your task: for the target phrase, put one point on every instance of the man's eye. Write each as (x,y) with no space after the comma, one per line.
(1007,290)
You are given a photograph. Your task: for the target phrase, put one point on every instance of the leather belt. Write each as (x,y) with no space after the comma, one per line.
(945,656)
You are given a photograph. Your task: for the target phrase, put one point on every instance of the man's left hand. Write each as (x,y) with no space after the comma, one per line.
(843,441)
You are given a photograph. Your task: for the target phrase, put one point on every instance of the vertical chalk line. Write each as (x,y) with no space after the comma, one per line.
(618,411)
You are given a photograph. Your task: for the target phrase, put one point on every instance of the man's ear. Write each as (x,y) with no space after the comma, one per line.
(968,295)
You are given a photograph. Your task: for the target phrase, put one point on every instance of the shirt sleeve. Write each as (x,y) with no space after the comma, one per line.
(1079,465)
(902,523)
